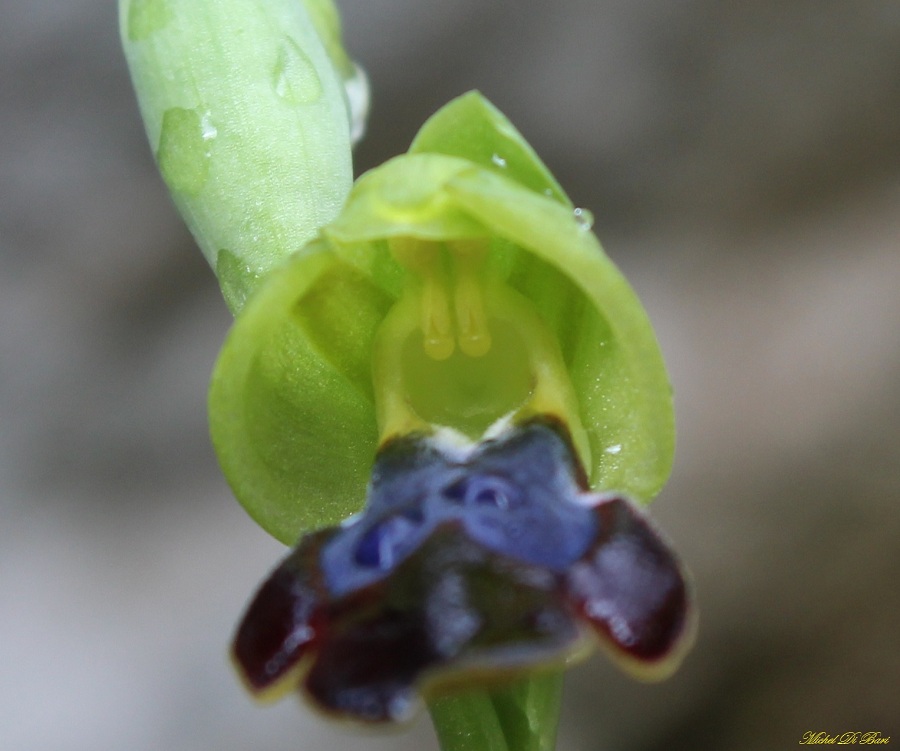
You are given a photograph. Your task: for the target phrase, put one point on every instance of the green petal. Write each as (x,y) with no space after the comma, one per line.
(292,403)
(405,196)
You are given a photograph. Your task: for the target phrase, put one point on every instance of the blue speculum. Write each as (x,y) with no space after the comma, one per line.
(468,559)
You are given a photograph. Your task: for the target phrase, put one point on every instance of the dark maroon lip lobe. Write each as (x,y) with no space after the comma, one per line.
(281,623)
(658,637)
(631,587)
(272,640)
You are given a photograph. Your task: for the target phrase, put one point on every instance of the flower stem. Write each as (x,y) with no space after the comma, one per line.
(467,722)
(521,716)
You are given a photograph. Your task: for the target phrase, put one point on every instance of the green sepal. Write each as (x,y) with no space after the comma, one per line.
(472,128)
(292,409)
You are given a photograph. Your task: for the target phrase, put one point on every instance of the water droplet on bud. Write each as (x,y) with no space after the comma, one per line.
(357,89)
(295,78)
(146,17)
(208,131)
(183,154)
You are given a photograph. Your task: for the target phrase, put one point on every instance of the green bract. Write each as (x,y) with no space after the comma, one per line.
(245,107)
(457,285)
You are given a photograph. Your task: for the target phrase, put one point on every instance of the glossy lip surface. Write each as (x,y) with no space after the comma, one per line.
(484,562)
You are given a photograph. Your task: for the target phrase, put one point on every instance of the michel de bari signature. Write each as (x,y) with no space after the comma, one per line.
(812,738)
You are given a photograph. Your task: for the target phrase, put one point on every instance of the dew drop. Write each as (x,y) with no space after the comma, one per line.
(583,218)
(183,154)
(498,161)
(357,90)
(146,17)
(614,449)
(208,131)
(294,77)
(236,279)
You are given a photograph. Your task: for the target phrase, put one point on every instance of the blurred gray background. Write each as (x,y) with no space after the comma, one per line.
(742,161)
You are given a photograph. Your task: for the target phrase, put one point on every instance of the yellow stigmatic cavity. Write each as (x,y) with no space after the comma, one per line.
(462,349)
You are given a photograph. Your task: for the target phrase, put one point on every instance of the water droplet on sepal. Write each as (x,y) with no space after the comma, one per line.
(584,219)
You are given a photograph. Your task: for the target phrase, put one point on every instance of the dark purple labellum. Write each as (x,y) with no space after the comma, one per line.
(451,606)
(283,620)
(497,560)
(630,587)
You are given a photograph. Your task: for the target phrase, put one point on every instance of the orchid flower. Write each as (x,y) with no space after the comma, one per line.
(438,387)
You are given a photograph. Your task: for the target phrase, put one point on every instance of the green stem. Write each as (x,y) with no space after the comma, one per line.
(467,722)
(521,716)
